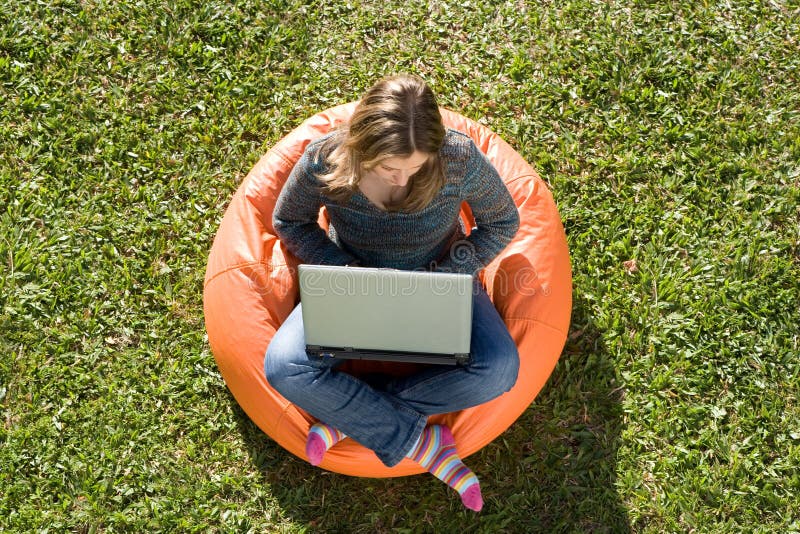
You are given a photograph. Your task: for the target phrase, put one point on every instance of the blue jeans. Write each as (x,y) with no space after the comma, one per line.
(390,418)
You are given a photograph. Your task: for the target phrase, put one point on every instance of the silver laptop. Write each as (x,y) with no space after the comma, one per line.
(386,314)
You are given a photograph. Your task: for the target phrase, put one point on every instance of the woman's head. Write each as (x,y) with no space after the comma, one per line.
(397,117)
(397,120)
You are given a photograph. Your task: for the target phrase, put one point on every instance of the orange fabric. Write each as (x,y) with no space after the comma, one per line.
(250,288)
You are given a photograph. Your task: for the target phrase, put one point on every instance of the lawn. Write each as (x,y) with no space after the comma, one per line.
(669,133)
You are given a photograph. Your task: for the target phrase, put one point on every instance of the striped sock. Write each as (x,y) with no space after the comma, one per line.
(321,437)
(436,451)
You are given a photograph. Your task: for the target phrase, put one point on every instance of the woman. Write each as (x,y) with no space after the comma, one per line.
(392,181)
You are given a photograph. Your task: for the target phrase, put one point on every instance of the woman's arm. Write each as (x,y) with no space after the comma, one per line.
(496,217)
(296,213)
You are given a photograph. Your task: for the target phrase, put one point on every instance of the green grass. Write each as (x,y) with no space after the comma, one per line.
(669,133)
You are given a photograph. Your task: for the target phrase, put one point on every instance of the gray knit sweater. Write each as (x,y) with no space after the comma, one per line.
(430,238)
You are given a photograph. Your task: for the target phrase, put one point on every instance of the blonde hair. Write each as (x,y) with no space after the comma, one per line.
(396,117)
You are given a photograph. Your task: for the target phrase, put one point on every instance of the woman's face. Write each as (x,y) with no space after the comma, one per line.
(398,170)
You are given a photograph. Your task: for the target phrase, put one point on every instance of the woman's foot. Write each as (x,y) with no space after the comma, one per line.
(436,451)
(321,437)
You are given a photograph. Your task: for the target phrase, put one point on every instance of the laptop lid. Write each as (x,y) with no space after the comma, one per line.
(356,312)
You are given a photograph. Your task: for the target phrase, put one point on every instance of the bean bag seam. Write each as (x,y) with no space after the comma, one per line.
(283,156)
(521,176)
(239,266)
(289,405)
(536,321)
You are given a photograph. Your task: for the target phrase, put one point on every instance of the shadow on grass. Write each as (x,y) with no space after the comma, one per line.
(554,470)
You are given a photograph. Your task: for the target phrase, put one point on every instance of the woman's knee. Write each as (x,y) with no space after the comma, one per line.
(284,366)
(509,370)
(496,370)
(494,350)
(504,369)
(287,378)
(286,351)
(274,368)
(289,369)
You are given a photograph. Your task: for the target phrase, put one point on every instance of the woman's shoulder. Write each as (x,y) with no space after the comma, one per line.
(457,145)
(457,139)
(315,156)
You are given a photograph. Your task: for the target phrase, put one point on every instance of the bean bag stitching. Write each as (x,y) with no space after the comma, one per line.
(521,176)
(282,155)
(289,406)
(268,265)
(538,322)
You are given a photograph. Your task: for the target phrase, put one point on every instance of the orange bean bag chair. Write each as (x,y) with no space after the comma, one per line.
(250,288)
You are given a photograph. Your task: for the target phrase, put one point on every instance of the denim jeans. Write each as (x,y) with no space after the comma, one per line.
(389,418)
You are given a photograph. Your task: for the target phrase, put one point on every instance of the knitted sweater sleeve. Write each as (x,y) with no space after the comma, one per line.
(296,213)
(496,217)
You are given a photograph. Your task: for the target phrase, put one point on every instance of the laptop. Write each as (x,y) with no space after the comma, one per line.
(386,314)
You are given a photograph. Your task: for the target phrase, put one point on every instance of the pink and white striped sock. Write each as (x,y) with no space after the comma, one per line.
(321,437)
(436,451)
